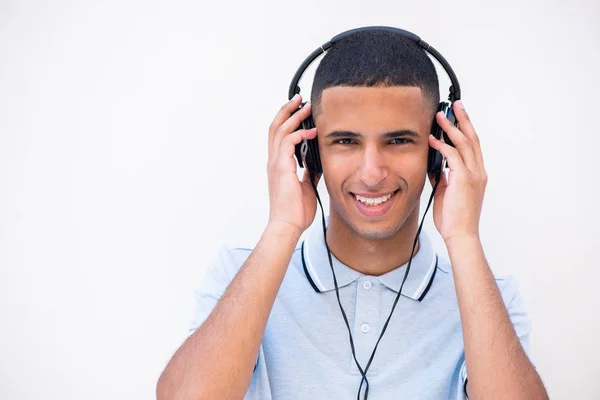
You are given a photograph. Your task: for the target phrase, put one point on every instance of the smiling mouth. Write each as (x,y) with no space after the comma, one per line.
(374,201)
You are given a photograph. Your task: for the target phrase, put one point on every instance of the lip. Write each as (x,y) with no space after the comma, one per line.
(372,195)
(374,211)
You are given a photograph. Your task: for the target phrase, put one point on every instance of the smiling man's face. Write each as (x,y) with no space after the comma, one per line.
(373,143)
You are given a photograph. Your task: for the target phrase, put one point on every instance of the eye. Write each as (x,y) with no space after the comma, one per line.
(400,141)
(343,141)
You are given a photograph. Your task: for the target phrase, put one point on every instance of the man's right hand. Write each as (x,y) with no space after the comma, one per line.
(292,202)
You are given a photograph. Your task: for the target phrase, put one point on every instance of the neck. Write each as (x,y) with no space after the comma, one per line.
(368,256)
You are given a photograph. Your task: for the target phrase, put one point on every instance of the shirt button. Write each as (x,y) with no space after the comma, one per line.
(367,285)
(365,328)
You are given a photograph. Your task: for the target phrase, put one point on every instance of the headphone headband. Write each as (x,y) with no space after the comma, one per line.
(454,88)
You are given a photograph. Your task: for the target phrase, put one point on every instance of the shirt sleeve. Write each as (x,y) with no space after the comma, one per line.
(217,278)
(521,322)
(214,284)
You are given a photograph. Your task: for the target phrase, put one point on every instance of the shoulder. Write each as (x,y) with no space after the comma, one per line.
(507,284)
(229,260)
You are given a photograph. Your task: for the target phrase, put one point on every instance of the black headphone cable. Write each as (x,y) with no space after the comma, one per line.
(364,372)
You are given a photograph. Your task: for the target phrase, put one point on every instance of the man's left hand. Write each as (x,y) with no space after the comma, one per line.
(459,196)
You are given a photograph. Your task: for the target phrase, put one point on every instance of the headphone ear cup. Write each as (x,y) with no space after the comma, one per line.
(435,159)
(300,147)
(312,158)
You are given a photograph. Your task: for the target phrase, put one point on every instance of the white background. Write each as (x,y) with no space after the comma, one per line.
(133,143)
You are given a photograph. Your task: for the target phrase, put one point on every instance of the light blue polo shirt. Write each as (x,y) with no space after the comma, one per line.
(305,352)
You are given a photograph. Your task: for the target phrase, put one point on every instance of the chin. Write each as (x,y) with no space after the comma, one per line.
(376,234)
(378,231)
(378,228)
(374,230)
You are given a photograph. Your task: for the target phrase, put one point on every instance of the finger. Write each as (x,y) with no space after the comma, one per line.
(288,144)
(306,177)
(452,155)
(464,121)
(461,142)
(283,156)
(467,128)
(283,114)
(291,124)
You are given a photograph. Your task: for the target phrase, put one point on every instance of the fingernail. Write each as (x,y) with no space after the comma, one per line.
(295,96)
(461,104)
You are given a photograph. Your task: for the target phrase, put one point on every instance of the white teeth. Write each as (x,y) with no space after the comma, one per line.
(373,201)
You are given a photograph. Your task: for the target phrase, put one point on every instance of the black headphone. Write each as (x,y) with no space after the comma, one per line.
(307,152)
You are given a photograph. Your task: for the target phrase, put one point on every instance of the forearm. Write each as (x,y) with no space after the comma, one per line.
(498,366)
(217,361)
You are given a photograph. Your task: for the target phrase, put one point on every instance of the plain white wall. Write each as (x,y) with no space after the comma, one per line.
(133,143)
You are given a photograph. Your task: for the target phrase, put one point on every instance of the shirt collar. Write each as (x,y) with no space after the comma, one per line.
(318,271)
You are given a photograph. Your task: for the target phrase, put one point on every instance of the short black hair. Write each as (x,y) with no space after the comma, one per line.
(376,58)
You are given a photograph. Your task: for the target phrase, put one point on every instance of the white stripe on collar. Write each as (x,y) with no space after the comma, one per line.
(428,275)
(311,270)
(318,271)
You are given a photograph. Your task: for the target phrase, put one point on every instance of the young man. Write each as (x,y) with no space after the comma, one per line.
(267,322)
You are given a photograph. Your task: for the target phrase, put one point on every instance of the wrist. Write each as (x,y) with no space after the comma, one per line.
(283,229)
(462,241)
(466,254)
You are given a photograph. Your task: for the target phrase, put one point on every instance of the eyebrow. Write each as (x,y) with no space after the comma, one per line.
(387,135)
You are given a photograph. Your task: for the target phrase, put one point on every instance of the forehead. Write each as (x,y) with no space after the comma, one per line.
(373,108)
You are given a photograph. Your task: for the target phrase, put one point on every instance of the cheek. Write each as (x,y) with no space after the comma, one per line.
(336,171)
(415,163)
(337,165)
(411,163)
(414,170)
(341,166)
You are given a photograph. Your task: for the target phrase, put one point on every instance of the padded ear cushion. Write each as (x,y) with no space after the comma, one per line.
(435,159)
(313,159)
(298,148)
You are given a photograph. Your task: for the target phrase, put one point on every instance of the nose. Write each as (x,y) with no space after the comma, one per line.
(372,168)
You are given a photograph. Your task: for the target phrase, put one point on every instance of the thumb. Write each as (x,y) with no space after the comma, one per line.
(443,180)
(306,177)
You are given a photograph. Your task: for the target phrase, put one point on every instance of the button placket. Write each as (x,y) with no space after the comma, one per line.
(366,317)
